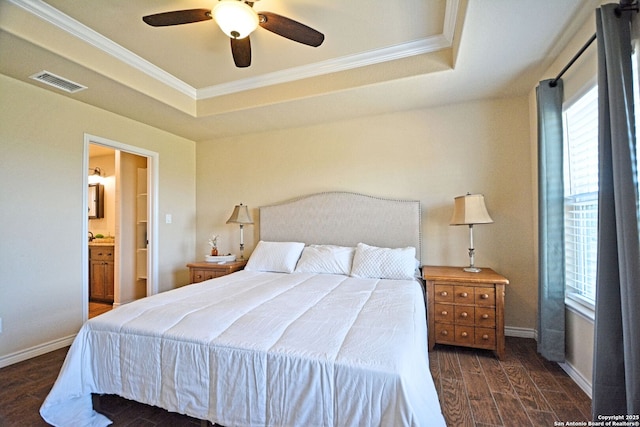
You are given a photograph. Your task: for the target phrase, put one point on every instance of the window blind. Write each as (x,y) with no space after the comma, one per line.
(581,197)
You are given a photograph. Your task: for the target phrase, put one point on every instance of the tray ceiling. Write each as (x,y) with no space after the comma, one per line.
(375,57)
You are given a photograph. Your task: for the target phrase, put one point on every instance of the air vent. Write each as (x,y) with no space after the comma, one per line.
(57,82)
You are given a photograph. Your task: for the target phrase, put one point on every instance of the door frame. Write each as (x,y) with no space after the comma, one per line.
(152,213)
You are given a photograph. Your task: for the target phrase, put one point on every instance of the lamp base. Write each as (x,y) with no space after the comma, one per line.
(472,269)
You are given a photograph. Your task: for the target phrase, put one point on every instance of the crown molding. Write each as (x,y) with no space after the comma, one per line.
(55,17)
(452,9)
(77,29)
(404,50)
(334,65)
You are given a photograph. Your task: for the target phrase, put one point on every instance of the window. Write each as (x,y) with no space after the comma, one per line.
(581,197)
(581,189)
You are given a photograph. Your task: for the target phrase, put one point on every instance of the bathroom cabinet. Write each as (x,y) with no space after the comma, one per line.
(101,273)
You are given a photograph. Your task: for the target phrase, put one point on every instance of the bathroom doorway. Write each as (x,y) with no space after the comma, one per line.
(121,258)
(102,228)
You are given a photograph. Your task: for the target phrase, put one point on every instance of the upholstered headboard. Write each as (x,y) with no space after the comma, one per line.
(343,218)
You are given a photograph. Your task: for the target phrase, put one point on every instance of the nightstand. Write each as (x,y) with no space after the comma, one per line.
(200,271)
(465,309)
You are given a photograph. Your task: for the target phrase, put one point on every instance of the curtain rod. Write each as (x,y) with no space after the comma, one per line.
(625,5)
(554,82)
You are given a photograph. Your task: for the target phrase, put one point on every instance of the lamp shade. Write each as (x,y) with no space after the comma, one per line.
(470,209)
(235,18)
(240,215)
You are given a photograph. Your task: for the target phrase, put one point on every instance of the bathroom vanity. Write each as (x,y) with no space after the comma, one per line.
(101,272)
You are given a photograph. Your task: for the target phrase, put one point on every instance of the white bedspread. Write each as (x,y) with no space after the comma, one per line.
(257,349)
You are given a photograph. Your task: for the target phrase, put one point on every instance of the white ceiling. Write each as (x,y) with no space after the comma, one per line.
(377,57)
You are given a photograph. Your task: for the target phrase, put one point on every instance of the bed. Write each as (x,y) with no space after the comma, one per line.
(326,326)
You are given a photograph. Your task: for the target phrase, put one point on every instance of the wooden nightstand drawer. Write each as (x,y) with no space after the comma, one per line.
(485,337)
(445,333)
(443,293)
(465,335)
(465,308)
(202,275)
(485,296)
(464,314)
(444,313)
(463,294)
(201,271)
(485,317)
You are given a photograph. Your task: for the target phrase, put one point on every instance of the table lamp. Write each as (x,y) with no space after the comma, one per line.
(240,216)
(469,210)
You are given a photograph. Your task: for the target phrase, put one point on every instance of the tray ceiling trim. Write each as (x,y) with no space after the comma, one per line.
(430,44)
(405,50)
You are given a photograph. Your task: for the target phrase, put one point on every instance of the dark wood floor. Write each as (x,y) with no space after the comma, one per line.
(524,389)
(475,389)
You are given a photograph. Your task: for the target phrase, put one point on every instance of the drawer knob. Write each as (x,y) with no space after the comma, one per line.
(464,314)
(485,316)
(464,334)
(443,293)
(484,296)
(444,312)
(485,337)
(445,333)
(464,294)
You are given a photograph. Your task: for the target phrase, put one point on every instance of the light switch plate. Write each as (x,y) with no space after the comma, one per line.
(168,218)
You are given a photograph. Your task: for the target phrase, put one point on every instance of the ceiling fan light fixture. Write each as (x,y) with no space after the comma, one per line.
(235,18)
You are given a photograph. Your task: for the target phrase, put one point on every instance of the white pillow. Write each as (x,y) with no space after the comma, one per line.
(326,259)
(383,263)
(279,257)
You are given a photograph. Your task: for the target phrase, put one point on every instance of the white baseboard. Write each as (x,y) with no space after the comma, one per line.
(37,350)
(577,377)
(513,331)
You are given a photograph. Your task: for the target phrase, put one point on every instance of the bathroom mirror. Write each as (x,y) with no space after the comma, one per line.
(96,201)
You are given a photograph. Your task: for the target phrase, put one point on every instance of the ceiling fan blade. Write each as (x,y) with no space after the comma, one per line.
(177,17)
(293,30)
(241,51)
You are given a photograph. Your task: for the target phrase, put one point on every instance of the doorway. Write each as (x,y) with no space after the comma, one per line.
(129,224)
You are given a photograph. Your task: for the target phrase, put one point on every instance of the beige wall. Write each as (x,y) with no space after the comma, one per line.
(579,340)
(41,172)
(429,155)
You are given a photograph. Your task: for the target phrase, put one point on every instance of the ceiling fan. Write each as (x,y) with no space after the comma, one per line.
(237,19)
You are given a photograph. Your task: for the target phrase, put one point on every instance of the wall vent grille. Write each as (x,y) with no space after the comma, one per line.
(57,82)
